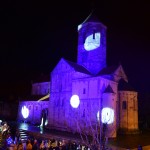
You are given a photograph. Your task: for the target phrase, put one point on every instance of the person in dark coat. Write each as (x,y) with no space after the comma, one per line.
(35,145)
(140,147)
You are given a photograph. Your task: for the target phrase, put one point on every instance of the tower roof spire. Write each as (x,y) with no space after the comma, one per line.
(91,18)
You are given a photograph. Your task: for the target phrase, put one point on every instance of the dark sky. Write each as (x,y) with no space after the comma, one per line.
(34,35)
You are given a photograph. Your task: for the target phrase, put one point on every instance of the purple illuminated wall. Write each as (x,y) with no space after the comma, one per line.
(93,60)
(84,80)
(35,111)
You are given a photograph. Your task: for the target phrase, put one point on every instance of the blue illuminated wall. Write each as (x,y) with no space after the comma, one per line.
(93,82)
(31,106)
(35,111)
(92,44)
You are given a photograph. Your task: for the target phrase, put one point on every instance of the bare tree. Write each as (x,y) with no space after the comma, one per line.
(92,130)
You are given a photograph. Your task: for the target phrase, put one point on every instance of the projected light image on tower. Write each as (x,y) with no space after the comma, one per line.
(92,42)
(25,112)
(107,115)
(75,101)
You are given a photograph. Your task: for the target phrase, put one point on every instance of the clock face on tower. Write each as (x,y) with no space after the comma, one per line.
(92,41)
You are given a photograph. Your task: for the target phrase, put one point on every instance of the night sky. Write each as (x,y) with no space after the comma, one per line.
(35,35)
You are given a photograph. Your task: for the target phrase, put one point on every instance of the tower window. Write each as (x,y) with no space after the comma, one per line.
(124,105)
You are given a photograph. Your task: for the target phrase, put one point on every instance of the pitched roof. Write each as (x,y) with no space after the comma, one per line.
(108,70)
(109,89)
(91,18)
(78,67)
(124,86)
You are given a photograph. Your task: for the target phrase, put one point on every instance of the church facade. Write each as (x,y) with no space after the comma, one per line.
(87,93)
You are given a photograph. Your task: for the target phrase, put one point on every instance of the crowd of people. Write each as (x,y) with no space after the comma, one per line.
(38,144)
(13,141)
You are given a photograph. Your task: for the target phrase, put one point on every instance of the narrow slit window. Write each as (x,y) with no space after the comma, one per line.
(84,90)
(124,105)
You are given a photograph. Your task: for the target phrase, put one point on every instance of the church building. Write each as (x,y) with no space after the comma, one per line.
(89,90)
(87,93)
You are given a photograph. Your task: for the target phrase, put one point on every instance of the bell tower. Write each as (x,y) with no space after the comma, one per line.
(92,44)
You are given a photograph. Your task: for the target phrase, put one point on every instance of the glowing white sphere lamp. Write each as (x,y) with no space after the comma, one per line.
(74,101)
(25,112)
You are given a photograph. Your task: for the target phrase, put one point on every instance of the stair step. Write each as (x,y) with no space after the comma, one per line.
(23,135)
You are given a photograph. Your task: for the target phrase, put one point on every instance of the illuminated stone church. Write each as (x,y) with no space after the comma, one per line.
(88,92)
